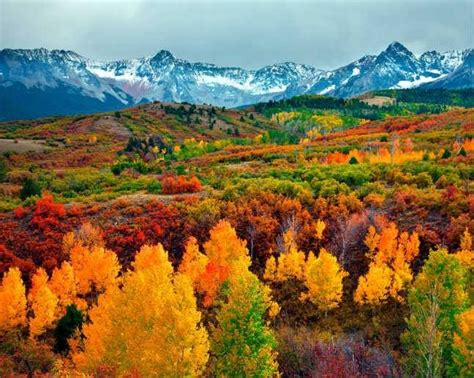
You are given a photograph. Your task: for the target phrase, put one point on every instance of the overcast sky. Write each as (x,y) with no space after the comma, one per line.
(250,34)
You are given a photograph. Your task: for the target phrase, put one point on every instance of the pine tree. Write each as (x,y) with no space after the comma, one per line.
(67,325)
(30,188)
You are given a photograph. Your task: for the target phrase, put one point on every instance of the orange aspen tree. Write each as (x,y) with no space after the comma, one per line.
(194,262)
(63,285)
(95,268)
(227,255)
(390,253)
(320,227)
(12,300)
(88,236)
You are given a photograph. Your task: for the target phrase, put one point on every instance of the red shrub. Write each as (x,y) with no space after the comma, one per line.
(179,184)
(47,213)
(19,212)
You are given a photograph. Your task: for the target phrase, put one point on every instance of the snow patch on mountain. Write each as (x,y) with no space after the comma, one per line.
(327,90)
(406,84)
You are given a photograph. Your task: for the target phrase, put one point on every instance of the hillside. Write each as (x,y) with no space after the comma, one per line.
(268,193)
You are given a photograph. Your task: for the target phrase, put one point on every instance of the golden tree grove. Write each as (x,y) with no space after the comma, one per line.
(149,326)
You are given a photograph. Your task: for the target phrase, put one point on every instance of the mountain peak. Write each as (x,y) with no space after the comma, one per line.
(397,47)
(163,55)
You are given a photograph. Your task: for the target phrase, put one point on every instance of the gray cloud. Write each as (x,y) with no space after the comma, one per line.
(250,34)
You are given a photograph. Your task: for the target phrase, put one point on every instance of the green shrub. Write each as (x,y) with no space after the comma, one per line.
(154,187)
(3,169)
(423,180)
(328,188)
(30,188)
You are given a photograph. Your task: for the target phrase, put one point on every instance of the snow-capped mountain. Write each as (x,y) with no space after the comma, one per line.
(163,77)
(39,82)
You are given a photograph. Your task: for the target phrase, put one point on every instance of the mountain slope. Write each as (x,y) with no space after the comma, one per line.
(39,82)
(462,77)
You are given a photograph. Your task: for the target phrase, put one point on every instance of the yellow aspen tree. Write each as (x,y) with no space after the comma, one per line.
(291,263)
(224,247)
(95,269)
(466,257)
(320,227)
(464,343)
(323,279)
(12,300)
(149,326)
(150,256)
(373,288)
(43,304)
(270,269)
(466,253)
(194,262)
(466,241)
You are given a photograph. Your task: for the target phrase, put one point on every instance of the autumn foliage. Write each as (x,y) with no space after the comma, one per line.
(179,184)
